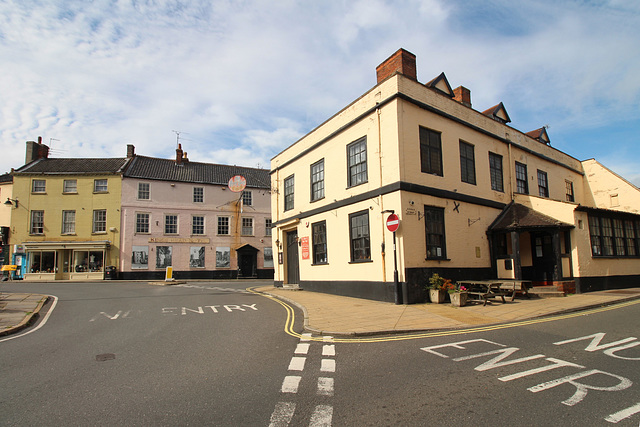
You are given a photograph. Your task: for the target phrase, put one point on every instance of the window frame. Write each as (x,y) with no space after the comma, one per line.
(97,221)
(316,171)
(289,193)
(543,184)
(68,225)
(430,150)
(247,198)
(247,230)
(434,227)
(319,243)
(522,181)
(357,173)
(197,227)
(614,236)
(364,239)
(220,224)
(496,172)
(36,228)
(170,225)
(141,225)
(66,189)
(100,185)
(268,227)
(143,192)
(197,195)
(39,186)
(467,162)
(569,193)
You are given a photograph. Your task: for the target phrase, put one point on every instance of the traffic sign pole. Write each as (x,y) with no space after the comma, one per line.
(393,223)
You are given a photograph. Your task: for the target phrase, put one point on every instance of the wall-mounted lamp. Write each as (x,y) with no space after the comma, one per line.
(11,202)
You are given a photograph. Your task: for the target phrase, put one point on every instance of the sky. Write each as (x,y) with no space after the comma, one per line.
(236,82)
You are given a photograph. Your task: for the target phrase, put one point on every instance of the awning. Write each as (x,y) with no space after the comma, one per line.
(247,248)
(42,246)
(516,217)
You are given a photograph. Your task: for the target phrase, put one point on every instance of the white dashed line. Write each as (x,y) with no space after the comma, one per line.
(302,349)
(328,365)
(327,339)
(297,363)
(321,416)
(325,386)
(329,350)
(306,337)
(282,415)
(290,384)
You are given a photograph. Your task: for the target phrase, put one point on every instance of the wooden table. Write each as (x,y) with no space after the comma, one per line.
(485,289)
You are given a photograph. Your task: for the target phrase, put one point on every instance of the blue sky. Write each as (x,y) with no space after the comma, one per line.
(242,80)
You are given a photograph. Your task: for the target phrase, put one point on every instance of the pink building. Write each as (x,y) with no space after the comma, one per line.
(184,215)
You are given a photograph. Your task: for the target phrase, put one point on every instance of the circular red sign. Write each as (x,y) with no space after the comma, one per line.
(237,183)
(393,222)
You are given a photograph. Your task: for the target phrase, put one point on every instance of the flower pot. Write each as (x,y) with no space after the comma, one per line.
(458,299)
(437,296)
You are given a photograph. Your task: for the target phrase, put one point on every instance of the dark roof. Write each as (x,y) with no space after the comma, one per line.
(540,135)
(519,217)
(433,84)
(493,113)
(6,177)
(73,166)
(206,173)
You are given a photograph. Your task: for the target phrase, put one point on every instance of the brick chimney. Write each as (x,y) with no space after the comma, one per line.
(401,62)
(131,151)
(462,95)
(35,151)
(179,154)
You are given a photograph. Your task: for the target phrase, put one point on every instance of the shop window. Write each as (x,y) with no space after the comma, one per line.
(42,262)
(88,261)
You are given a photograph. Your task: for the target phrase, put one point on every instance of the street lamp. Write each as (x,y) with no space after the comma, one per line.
(10,202)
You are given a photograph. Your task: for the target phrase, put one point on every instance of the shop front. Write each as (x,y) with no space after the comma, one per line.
(65,260)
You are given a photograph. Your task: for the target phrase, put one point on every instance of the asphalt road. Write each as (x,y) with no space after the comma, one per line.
(118,353)
(212,354)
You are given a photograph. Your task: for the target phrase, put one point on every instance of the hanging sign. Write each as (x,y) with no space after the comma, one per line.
(305,247)
(237,183)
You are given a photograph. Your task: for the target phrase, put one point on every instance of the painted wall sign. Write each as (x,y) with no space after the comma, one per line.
(305,247)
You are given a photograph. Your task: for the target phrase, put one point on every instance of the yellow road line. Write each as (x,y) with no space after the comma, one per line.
(288,327)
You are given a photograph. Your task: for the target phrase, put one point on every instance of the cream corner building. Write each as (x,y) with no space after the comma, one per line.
(476,198)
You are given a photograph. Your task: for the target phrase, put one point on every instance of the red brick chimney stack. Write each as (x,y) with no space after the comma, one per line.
(179,154)
(401,62)
(462,95)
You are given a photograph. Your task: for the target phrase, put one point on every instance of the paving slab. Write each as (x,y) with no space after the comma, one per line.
(340,315)
(18,310)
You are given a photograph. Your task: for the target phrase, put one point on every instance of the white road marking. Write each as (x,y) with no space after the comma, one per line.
(325,386)
(302,349)
(327,339)
(625,413)
(328,365)
(297,363)
(306,337)
(282,414)
(44,320)
(321,417)
(291,384)
(329,350)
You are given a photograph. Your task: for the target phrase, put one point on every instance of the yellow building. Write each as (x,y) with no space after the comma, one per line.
(6,196)
(476,199)
(66,222)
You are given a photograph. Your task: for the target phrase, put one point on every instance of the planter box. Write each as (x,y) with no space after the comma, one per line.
(437,296)
(459,299)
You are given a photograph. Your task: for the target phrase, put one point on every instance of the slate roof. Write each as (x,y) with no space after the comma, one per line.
(493,113)
(519,217)
(73,166)
(6,177)
(205,173)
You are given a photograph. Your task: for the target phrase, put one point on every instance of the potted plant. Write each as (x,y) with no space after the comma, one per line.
(458,296)
(437,288)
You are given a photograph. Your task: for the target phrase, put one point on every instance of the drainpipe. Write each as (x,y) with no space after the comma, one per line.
(384,264)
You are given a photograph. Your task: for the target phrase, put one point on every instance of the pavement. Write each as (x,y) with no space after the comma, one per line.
(339,315)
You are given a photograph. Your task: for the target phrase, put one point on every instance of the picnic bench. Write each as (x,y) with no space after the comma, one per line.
(485,289)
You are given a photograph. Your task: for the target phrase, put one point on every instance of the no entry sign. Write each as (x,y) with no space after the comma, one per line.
(393,222)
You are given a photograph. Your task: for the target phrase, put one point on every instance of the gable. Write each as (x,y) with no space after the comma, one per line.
(441,84)
(498,112)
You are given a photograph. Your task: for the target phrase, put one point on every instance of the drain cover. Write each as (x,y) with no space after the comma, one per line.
(105,356)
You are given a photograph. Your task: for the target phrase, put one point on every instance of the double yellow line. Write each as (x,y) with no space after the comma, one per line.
(288,326)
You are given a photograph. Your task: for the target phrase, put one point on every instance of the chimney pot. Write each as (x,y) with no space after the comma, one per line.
(131,151)
(402,62)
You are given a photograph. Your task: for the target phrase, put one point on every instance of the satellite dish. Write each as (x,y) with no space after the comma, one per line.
(237,183)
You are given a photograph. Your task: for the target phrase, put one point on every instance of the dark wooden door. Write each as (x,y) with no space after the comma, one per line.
(293,267)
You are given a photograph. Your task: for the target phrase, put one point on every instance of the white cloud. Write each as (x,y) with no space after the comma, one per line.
(257,75)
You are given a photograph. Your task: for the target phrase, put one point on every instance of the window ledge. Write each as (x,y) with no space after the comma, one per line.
(320,263)
(362,261)
(437,259)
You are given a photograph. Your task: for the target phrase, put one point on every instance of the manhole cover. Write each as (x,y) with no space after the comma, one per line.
(105,356)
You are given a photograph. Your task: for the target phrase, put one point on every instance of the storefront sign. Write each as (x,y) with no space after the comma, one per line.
(305,247)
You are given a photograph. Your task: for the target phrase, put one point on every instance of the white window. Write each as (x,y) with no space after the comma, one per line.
(142,223)
(100,221)
(247,226)
(171,224)
(70,186)
(197,225)
(267,227)
(68,222)
(223,225)
(247,198)
(37,222)
(38,186)
(143,191)
(198,194)
(100,186)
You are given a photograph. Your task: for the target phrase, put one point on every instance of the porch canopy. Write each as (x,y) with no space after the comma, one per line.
(516,217)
